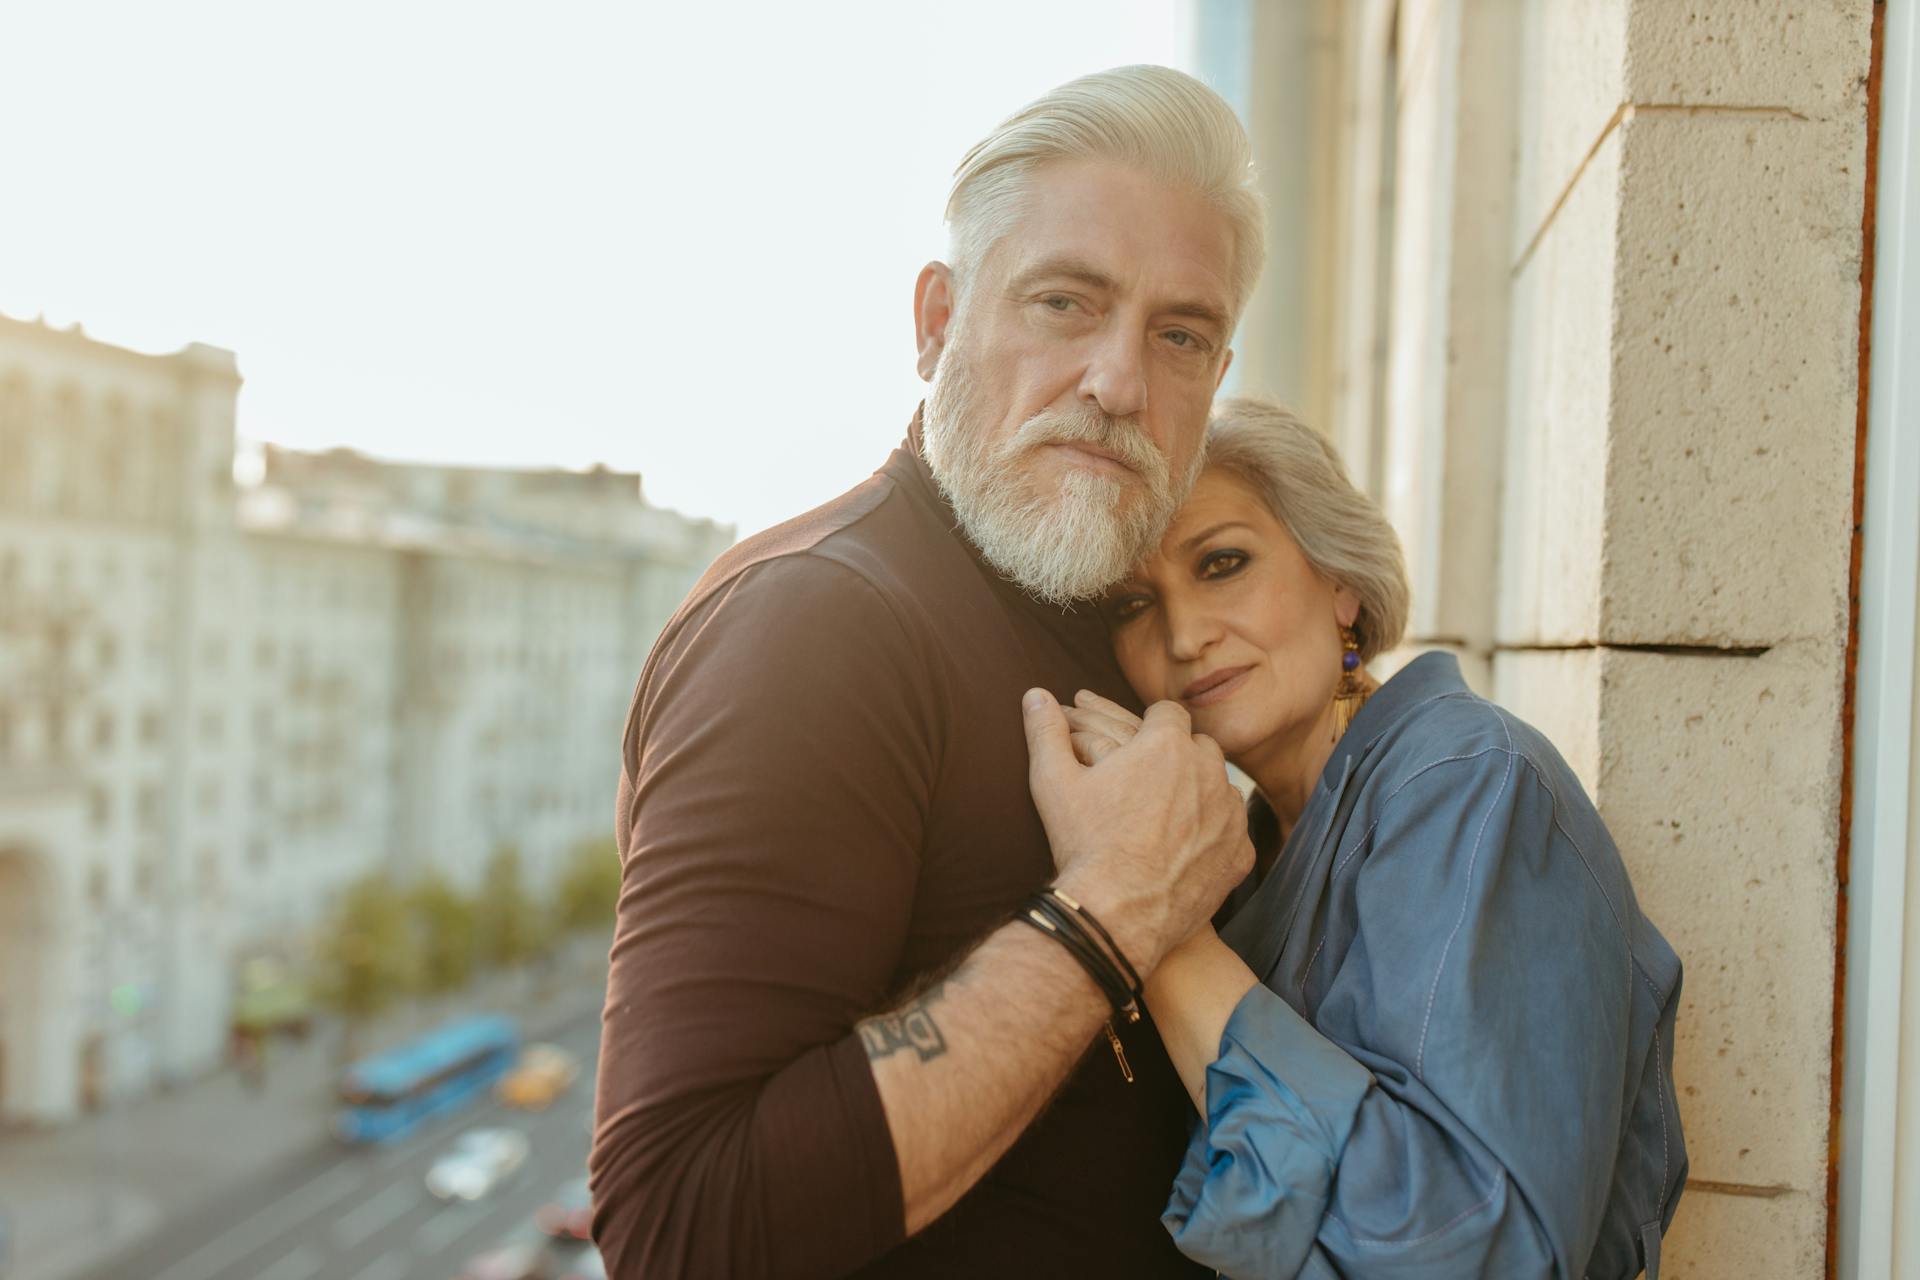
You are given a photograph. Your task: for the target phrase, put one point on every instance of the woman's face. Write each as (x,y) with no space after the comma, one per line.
(1228,619)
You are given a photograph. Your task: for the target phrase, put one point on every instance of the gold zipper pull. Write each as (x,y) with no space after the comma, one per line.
(1119,1053)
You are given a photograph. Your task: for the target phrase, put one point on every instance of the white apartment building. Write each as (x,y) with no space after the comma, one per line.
(220,703)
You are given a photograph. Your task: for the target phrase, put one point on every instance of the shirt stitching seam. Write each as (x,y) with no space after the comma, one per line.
(1466,894)
(1354,849)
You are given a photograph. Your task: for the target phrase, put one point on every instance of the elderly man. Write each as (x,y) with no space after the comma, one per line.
(828,1041)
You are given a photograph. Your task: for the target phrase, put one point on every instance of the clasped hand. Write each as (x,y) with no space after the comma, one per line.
(1145,828)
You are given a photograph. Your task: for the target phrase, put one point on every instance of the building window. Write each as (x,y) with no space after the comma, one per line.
(212,726)
(147,806)
(153,727)
(103,731)
(97,886)
(99,808)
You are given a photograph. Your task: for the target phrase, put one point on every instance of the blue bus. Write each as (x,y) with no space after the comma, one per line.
(384,1096)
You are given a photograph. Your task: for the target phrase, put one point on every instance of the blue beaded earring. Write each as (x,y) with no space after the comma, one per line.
(1352,689)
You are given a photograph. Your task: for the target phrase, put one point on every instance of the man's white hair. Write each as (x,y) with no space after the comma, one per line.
(1151,118)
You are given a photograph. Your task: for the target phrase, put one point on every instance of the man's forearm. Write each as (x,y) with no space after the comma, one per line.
(964,1067)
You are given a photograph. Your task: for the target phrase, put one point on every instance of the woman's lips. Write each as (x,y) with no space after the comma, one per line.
(1214,686)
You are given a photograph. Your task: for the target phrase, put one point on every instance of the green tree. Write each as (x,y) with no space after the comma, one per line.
(446,931)
(512,924)
(589,887)
(365,958)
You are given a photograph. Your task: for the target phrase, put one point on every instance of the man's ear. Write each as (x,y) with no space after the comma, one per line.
(1224,366)
(932,313)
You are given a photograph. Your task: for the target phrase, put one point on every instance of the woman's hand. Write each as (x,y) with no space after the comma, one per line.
(1099,725)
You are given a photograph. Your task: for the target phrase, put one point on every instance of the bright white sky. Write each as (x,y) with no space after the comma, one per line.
(677,238)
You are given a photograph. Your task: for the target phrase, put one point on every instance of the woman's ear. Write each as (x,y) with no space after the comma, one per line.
(1346,606)
(932,313)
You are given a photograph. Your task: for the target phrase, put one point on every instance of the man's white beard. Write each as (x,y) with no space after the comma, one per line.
(1063,544)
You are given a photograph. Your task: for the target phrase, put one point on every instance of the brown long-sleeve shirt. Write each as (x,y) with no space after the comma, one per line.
(824,797)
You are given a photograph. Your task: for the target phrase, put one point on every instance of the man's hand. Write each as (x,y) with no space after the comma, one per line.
(1152,837)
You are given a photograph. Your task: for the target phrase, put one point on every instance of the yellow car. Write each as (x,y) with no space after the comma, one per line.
(543,1073)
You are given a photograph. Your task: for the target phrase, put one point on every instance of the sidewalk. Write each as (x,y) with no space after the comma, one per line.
(75,1196)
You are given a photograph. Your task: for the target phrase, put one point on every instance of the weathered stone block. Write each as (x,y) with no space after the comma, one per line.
(1720,781)
(1736,293)
(1723,1237)
(1808,56)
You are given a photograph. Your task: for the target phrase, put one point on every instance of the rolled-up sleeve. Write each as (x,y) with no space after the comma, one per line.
(772,811)
(1281,1103)
(1454,1106)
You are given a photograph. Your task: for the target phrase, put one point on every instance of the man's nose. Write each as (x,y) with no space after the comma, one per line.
(1116,376)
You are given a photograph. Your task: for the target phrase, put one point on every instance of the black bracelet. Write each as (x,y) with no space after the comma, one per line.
(1103,974)
(1108,969)
(1127,970)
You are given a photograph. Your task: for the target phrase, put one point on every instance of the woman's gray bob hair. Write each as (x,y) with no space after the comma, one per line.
(1341,531)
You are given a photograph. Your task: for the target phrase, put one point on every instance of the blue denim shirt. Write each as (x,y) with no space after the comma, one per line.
(1459,1060)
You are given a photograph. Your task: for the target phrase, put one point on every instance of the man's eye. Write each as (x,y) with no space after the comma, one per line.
(1186,339)
(1058,302)
(1220,564)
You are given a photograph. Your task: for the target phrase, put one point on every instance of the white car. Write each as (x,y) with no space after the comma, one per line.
(478,1161)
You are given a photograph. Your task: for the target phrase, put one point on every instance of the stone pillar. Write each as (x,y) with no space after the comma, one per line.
(1676,528)
(1444,408)
(1278,65)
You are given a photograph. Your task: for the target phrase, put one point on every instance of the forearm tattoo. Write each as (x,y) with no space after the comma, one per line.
(912,1026)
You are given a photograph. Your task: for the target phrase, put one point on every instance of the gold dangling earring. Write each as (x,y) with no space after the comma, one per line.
(1352,690)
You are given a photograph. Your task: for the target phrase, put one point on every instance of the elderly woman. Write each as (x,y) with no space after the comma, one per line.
(1434,1036)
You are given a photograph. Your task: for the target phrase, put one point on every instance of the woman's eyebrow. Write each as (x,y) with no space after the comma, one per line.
(1204,534)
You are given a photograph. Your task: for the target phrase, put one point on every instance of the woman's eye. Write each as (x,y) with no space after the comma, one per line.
(1220,564)
(1126,608)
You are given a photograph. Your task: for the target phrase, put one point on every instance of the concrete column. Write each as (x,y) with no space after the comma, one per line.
(1278,65)
(1443,412)
(1676,531)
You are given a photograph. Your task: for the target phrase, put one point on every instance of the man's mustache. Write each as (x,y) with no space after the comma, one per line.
(1121,437)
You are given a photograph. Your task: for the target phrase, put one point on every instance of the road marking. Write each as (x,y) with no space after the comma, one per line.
(289,1211)
(388,1266)
(301,1264)
(382,1210)
(443,1228)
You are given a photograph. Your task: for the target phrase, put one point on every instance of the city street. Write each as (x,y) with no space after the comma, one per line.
(365,1214)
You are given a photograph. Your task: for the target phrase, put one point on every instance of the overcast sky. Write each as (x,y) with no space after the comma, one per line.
(677,238)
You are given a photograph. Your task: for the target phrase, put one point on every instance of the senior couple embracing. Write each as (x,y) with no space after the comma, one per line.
(945,945)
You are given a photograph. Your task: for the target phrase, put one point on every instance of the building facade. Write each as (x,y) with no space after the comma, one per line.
(219,704)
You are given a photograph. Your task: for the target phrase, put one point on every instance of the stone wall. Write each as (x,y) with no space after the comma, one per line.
(1617,433)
